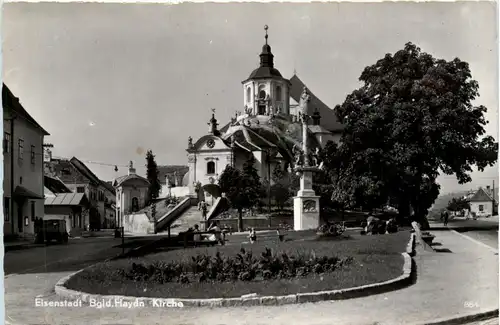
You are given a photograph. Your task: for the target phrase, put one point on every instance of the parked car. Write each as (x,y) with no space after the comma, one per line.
(48,230)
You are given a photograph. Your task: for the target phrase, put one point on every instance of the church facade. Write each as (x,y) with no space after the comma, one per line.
(268,127)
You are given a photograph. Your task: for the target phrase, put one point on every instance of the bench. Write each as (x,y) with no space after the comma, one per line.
(272,235)
(188,238)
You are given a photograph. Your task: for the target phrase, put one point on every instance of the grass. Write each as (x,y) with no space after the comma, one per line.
(376,259)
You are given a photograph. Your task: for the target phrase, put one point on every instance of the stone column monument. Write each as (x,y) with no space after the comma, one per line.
(306,204)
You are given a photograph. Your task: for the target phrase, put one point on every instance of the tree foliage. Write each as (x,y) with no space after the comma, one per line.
(280,192)
(458,204)
(412,119)
(243,188)
(152,174)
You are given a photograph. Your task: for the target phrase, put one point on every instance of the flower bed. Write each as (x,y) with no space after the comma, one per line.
(227,271)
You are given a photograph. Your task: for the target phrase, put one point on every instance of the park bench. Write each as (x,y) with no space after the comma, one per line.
(187,238)
(272,235)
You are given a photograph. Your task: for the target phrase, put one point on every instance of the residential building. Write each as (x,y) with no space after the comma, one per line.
(62,204)
(109,205)
(23,197)
(484,202)
(80,179)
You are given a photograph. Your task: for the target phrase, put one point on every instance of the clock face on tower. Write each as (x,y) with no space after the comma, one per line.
(211,143)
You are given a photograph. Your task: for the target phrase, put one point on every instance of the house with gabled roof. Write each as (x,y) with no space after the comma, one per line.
(484,202)
(23,189)
(80,179)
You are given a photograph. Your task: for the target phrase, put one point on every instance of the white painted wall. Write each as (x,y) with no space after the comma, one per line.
(30,172)
(269,86)
(487,208)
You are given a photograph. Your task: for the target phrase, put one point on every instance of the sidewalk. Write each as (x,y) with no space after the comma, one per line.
(448,285)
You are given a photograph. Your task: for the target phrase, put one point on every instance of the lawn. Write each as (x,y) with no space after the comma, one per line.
(375,259)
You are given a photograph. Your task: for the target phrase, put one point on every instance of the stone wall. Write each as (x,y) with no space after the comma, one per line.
(138,223)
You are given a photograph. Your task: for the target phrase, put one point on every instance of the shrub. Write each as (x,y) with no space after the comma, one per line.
(245,266)
(392,226)
(171,201)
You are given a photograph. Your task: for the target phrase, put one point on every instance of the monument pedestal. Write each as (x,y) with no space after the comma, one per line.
(306,204)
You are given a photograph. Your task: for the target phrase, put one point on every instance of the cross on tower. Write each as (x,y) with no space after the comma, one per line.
(266,28)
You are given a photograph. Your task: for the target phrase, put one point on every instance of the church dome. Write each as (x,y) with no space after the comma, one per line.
(266,68)
(265,72)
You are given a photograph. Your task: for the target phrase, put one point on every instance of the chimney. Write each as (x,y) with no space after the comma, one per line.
(131,169)
(316,117)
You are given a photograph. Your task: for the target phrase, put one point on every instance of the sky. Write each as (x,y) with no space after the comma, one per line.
(110,81)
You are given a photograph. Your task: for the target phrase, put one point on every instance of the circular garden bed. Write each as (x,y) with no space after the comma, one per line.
(265,268)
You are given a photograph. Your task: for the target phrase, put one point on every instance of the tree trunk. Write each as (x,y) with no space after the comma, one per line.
(240,220)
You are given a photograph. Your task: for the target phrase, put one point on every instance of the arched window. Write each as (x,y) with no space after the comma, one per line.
(278,93)
(249,94)
(210,167)
(262,94)
(135,204)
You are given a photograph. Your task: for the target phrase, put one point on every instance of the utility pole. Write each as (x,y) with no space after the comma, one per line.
(494,200)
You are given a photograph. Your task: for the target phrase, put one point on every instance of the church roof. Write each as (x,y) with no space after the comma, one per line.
(120,180)
(265,73)
(248,139)
(281,135)
(328,118)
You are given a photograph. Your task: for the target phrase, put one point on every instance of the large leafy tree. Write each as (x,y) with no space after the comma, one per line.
(458,204)
(412,119)
(279,190)
(243,188)
(152,174)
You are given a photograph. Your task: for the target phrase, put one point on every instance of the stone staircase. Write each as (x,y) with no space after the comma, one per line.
(189,218)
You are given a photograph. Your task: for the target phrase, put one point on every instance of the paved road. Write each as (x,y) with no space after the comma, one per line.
(75,255)
(440,291)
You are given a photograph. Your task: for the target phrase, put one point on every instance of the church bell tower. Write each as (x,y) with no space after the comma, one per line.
(265,91)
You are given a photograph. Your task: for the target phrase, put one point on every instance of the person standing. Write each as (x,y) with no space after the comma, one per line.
(204,209)
(252,236)
(445,218)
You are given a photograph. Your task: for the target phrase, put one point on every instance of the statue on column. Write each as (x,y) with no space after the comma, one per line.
(304,100)
(190,142)
(315,157)
(298,155)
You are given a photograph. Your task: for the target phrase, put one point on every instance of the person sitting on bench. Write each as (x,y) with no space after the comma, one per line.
(197,236)
(217,233)
(252,236)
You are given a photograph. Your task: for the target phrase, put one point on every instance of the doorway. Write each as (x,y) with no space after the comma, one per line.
(20,225)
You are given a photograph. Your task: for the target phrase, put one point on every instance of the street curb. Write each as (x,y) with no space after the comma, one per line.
(410,248)
(474,241)
(472,317)
(376,288)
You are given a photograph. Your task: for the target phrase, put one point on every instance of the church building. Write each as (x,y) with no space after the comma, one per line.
(268,127)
